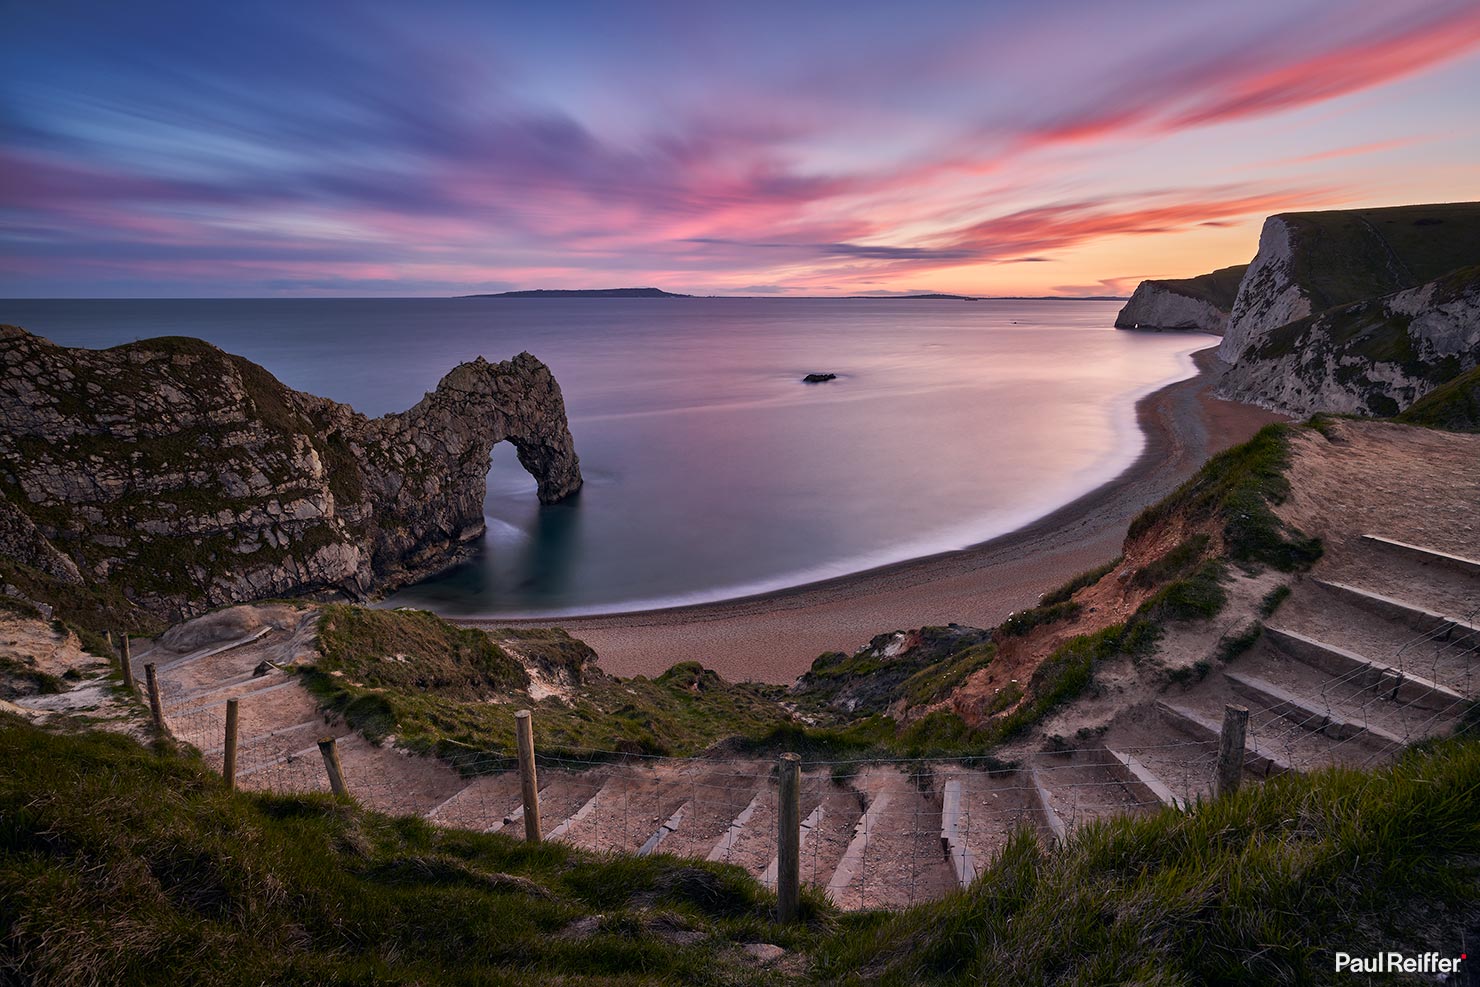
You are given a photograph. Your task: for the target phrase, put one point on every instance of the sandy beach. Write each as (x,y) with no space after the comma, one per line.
(774,637)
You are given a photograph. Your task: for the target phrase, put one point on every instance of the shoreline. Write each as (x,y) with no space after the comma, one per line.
(775,636)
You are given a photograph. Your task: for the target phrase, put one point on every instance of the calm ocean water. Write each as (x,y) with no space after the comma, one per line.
(711,471)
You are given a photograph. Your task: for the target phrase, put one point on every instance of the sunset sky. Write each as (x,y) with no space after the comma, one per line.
(317,148)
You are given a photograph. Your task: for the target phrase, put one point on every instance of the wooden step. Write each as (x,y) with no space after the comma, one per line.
(1421,619)
(952,839)
(1080,786)
(1261,762)
(731,838)
(807,828)
(1051,818)
(1140,780)
(664,831)
(1468,566)
(850,867)
(1389,682)
(1304,713)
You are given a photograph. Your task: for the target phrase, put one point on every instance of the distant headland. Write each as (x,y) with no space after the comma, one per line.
(660,293)
(584,293)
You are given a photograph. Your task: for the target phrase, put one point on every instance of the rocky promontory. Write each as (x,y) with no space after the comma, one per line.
(1372,357)
(1202,303)
(1360,311)
(185,478)
(1313,261)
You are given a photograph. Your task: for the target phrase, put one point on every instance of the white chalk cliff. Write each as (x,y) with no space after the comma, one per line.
(1154,306)
(1269,295)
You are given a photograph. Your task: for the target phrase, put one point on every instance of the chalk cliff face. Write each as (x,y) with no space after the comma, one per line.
(189,478)
(1375,356)
(1312,261)
(1200,303)
(1269,296)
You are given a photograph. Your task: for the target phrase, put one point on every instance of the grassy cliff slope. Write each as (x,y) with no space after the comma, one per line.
(1346,255)
(122,864)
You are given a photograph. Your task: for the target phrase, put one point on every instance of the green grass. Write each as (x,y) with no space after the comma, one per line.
(1020,623)
(1261,888)
(1196,596)
(1236,488)
(18,678)
(1233,645)
(453,691)
(1218,288)
(1087,578)
(414,649)
(1273,600)
(1178,562)
(936,681)
(125,865)
(1454,406)
(1346,255)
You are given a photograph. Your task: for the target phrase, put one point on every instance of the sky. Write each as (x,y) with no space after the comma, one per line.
(797,148)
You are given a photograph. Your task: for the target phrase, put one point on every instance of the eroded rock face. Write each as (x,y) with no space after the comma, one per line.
(1373,357)
(192,478)
(1270,295)
(1155,307)
(1201,303)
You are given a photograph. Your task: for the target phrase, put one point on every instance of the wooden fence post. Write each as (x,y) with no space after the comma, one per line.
(330,750)
(528,781)
(789,837)
(154,702)
(126,662)
(1231,748)
(228,758)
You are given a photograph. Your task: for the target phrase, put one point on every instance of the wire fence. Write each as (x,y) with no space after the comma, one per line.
(875,832)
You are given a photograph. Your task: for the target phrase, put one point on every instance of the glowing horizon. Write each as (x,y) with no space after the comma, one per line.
(981,149)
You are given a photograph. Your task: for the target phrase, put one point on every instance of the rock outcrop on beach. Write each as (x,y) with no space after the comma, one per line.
(185,478)
(1202,303)
(1356,311)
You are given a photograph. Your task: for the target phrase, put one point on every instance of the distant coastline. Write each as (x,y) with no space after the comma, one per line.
(583,293)
(660,293)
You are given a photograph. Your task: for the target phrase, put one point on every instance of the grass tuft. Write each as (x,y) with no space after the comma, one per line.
(1259,888)
(125,865)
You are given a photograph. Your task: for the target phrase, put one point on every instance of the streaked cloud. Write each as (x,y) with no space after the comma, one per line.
(382,149)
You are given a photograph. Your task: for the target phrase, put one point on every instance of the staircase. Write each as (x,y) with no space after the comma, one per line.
(1375,650)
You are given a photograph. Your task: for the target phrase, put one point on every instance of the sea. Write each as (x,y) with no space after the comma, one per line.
(712,471)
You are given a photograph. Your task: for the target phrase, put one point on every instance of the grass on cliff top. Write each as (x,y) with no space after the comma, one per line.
(1257,889)
(1346,255)
(1454,406)
(452,690)
(1237,488)
(121,864)
(1218,288)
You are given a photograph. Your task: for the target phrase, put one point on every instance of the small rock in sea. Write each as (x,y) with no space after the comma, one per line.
(818,378)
